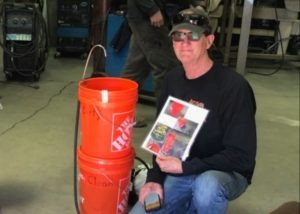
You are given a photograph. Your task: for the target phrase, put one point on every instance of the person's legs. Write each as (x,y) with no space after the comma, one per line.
(177,193)
(156,47)
(138,208)
(161,58)
(214,189)
(136,67)
(207,193)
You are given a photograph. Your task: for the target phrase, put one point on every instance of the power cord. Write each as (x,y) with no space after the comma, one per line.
(282,51)
(20,84)
(75,158)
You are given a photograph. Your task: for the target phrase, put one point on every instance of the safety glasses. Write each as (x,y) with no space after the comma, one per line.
(178,36)
(186,16)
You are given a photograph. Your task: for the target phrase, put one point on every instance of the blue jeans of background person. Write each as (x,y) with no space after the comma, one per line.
(207,193)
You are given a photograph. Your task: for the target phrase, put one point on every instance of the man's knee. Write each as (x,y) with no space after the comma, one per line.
(209,187)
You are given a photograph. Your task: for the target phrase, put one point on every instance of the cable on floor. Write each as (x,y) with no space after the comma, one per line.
(281,46)
(38,110)
(20,84)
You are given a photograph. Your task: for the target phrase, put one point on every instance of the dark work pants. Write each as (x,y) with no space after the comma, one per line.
(150,51)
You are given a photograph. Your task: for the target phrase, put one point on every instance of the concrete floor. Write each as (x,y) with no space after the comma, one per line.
(37,136)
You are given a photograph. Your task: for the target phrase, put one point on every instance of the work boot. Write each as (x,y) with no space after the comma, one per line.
(140,123)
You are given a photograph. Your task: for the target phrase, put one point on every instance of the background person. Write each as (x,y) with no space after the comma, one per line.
(222,159)
(150,49)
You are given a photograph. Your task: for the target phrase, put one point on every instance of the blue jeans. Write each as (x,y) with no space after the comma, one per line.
(207,193)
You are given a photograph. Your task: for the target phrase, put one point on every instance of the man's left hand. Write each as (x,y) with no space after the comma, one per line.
(169,164)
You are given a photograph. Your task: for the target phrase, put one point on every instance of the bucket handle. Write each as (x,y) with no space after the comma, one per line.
(104,93)
(99,172)
(100,115)
(89,56)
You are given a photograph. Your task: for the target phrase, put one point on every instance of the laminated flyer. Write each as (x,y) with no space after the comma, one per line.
(175,129)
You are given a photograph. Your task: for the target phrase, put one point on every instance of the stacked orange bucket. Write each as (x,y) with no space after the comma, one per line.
(106,155)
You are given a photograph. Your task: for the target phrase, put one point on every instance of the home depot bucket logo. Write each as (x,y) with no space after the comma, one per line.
(122,131)
(123,196)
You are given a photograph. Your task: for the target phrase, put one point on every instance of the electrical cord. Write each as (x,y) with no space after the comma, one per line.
(75,158)
(282,51)
(75,182)
(20,83)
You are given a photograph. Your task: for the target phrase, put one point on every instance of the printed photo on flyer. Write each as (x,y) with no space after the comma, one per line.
(175,129)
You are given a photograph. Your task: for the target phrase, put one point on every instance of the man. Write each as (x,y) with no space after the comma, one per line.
(150,48)
(222,159)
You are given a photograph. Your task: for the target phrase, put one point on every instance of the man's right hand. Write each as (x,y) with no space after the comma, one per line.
(150,187)
(157,19)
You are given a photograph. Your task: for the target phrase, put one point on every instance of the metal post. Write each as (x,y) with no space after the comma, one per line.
(223,23)
(244,36)
(229,32)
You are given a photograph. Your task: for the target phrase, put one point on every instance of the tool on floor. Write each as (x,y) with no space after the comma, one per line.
(105,157)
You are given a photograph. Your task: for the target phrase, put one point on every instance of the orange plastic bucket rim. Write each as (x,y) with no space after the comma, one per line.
(107,161)
(108,89)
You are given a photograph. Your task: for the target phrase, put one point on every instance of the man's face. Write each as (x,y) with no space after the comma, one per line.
(189,50)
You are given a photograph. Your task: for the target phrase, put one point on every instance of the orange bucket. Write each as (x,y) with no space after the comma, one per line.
(107,110)
(104,184)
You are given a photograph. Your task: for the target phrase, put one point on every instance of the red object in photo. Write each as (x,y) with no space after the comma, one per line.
(181,122)
(154,147)
(176,109)
(168,144)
